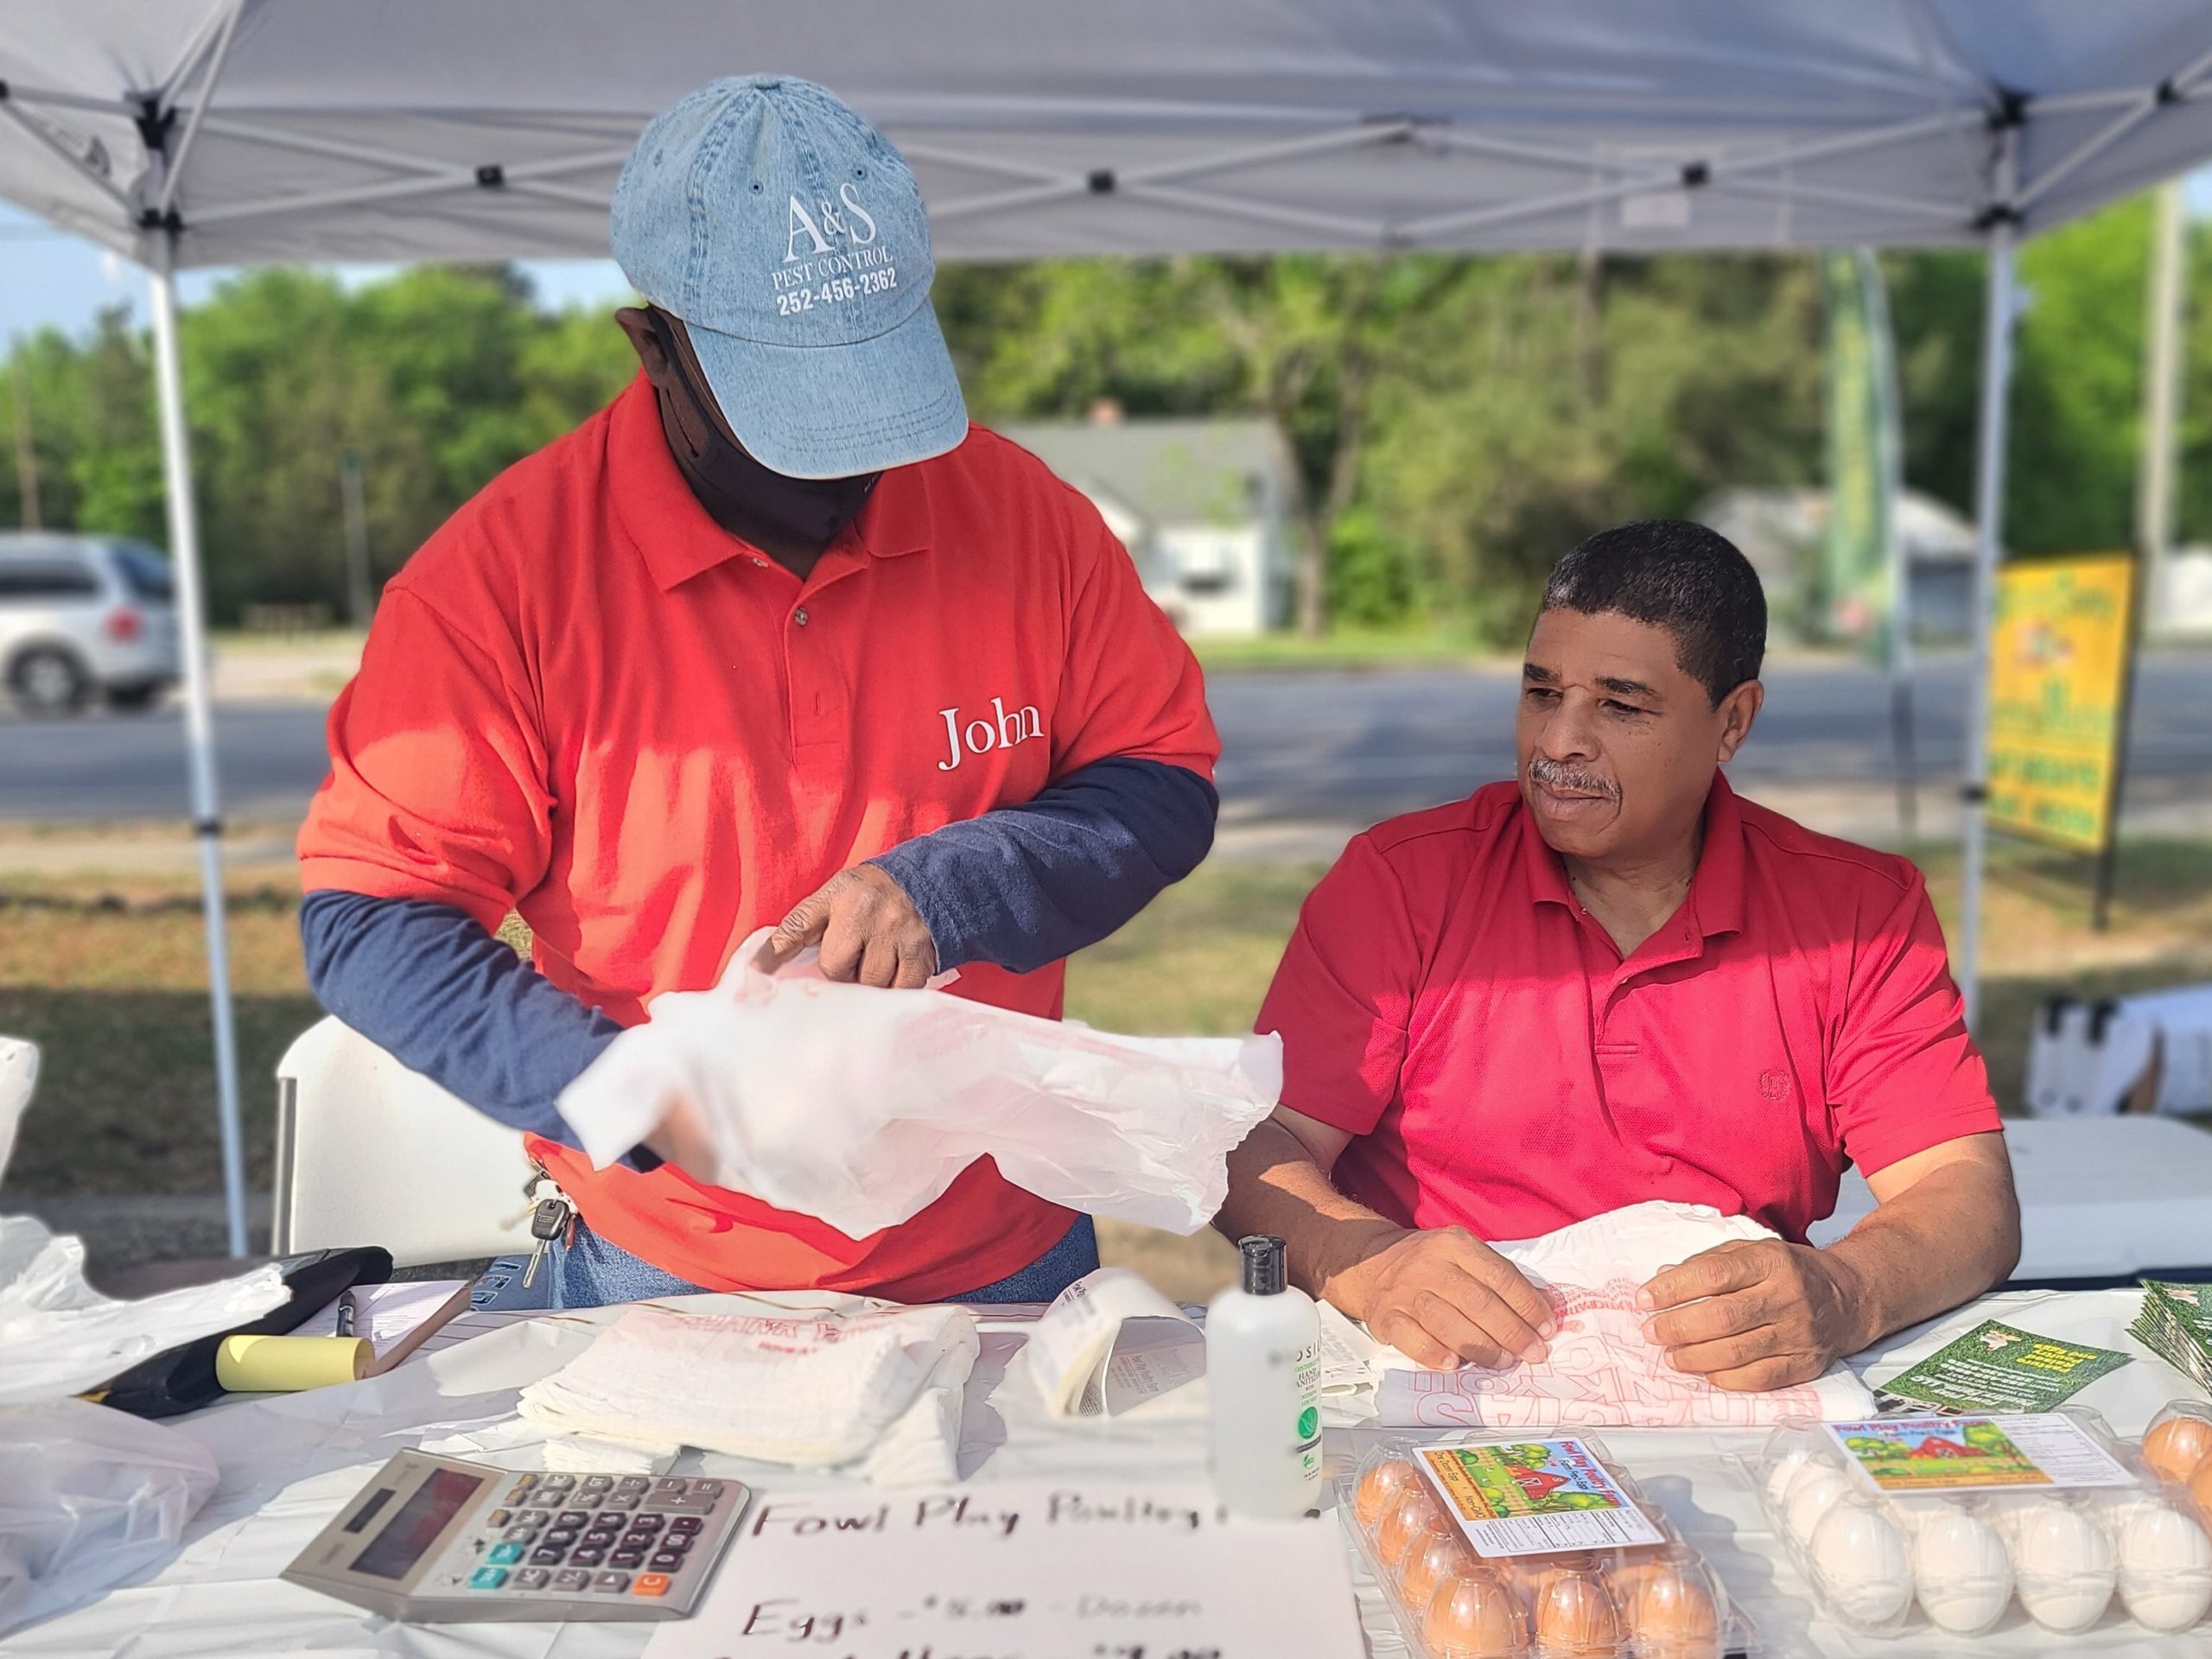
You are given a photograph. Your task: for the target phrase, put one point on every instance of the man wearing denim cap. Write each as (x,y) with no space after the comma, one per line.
(776,639)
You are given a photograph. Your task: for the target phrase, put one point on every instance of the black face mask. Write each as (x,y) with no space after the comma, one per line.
(738,492)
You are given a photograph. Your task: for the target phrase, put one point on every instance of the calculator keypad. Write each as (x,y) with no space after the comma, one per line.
(592,1535)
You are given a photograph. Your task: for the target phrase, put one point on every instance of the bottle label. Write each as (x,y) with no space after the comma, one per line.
(1308,1364)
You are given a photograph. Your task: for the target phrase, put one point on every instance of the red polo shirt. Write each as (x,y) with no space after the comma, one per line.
(585,700)
(1448,1002)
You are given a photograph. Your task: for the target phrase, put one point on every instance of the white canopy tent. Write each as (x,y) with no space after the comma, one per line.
(207,132)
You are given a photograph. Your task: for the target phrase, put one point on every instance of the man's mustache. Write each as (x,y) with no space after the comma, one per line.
(1572,779)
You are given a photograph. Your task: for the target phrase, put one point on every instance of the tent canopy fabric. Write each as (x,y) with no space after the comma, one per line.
(252,130)
(218,132)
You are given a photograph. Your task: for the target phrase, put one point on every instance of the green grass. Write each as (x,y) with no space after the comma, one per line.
(1199,961)
(111,981)
(113,989)
(238,642)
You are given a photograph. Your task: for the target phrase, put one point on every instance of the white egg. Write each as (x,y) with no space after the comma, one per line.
(2116,1511)
(2166,1568)
(1910,1514)
(2002,1516)
(1858,1562)
(1818,1488)
(1960,1566)
(2065,1566)
(1783,1471)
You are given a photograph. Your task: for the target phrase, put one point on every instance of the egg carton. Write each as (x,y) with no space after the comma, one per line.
(1883,1563)
(1660,1601)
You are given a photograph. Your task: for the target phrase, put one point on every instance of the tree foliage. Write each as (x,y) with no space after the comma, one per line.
(1456,422)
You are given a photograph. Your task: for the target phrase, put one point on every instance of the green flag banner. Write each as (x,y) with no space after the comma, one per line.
(1854,590)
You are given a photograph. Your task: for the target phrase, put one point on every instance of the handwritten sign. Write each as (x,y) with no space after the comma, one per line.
(2057,685)
(1020,1571)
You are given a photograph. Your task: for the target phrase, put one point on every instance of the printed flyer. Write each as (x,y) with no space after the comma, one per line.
(2001,1368)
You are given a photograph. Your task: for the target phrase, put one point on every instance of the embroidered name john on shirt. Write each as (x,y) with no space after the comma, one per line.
(1007,727)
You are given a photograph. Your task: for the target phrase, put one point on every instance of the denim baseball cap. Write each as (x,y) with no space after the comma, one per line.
(789,236)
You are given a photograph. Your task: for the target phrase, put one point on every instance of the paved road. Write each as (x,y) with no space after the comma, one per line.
(1338,748)
(1330,747)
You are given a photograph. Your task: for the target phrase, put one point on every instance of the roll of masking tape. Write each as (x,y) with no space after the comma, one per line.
(286,1365)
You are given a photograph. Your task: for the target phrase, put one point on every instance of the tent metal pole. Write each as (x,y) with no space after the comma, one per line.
(19,94)
(2147,104)
(450,177)
(1155,181)
(1787,190)
(1999,315)
(1450,224)
(75,163)
(199,731)
(2154,458)
(173,169)
(1903,760)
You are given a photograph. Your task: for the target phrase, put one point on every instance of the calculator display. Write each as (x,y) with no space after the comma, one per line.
(417,1524)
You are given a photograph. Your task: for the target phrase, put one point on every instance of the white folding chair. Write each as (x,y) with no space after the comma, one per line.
(371,1153)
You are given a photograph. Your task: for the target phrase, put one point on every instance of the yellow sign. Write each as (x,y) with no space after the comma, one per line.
(2057,688)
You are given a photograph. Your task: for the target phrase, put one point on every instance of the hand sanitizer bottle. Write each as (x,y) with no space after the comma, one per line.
(1263,1374)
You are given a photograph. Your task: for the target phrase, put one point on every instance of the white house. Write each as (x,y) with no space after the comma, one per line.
(1780,532)
(1203,505)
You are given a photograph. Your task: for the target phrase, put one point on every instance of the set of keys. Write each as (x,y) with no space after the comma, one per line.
(550,1217)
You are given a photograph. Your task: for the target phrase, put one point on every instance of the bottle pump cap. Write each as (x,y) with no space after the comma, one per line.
(1264,1272)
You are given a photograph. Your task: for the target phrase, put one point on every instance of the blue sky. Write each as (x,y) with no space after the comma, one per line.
(50,279)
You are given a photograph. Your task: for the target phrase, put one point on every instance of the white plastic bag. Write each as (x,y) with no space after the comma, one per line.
(18,1075)
(89,1498)
(59,1336)
(1601,1369)
(860,1106)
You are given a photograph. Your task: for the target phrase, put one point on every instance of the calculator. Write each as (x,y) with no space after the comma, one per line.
(436,1541)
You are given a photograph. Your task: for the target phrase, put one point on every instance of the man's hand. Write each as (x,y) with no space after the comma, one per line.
(867,928)
(1444,1298)
(1751,1315)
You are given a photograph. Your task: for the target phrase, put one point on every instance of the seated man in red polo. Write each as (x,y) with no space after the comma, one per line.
(1614,981)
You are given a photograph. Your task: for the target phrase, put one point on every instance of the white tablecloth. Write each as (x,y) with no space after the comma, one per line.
(289,1462)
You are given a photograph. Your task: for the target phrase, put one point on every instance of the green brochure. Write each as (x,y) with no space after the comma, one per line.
(2175,1325)
(2001,1368)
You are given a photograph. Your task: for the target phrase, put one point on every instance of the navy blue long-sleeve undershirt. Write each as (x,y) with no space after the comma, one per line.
(1019,887)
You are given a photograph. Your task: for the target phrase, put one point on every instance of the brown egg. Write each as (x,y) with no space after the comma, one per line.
(1575,1618)
(2176,1448)
(1626,1569)
(1378,1489)
(1416,1511)
(1673,1614)
(2200,1489)
(1473,1616)
(1433,1558)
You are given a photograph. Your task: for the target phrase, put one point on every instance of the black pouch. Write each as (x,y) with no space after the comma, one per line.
(183,1378)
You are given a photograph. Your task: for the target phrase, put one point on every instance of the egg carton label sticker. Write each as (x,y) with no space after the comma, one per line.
(1971,1454)
(1534,1497)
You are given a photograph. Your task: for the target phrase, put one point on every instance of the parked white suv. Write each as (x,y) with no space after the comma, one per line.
(85,616)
